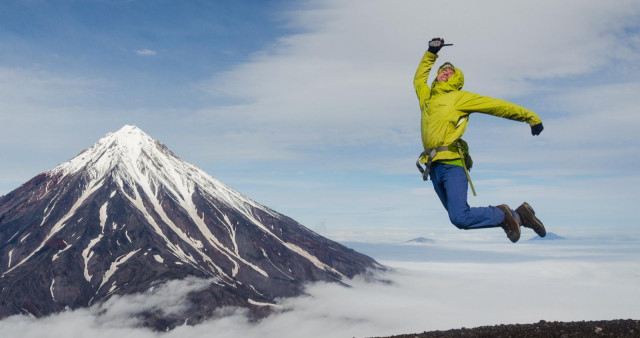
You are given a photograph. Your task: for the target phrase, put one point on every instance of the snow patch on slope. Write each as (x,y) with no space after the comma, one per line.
(256,303)
(53,282)
(114,266)
(68,246)
(87,253)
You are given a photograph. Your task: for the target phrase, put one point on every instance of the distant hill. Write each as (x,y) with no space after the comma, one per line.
(549,237)
(420,240)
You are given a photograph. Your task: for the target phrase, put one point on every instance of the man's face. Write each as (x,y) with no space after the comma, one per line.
(445,74)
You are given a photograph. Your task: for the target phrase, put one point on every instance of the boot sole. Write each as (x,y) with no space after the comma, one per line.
(530,220)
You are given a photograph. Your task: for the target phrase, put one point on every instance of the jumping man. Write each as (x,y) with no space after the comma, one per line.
(445,114)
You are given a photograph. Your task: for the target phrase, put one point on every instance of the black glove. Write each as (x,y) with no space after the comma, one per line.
(435,44)
(537,129)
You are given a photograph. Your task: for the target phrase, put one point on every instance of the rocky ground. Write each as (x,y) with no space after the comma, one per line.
(543,329)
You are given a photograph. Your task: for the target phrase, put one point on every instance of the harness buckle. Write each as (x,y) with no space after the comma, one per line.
(430,153)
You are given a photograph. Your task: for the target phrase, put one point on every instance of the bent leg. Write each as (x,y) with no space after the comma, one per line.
(451,184)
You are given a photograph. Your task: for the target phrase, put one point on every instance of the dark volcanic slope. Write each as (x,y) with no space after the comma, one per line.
(609,328)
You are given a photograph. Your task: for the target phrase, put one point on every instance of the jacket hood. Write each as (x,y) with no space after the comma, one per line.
(455,82)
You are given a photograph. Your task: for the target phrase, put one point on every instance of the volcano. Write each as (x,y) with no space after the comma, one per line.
(126,215)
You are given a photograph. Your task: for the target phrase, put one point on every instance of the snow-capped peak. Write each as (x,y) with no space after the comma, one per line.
(129,136)
(124,145)
(134,158)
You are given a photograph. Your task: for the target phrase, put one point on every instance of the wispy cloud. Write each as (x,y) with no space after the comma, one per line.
(319,88)
(319,96)
(146,52)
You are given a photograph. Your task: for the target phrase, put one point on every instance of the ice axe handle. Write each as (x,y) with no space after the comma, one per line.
(447,44)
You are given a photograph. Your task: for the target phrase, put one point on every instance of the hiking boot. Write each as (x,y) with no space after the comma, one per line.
(510,224)
(529,219)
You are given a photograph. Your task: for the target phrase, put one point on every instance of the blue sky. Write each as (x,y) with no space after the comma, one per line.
(308,106)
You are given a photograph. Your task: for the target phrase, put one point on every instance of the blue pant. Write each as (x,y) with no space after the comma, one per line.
(450,183)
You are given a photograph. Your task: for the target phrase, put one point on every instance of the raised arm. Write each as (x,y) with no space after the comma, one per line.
(422,73)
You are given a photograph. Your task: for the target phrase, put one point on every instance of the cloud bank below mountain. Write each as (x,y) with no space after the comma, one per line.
(414,297)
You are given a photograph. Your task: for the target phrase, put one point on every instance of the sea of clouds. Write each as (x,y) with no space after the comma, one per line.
(439,285)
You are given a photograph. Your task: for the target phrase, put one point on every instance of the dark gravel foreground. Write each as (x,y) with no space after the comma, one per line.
(543,329)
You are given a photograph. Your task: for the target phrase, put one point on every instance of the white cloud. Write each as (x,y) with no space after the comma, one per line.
(346,79)
(169,298)
(552,281)
(37,88)
(339,95)
(146,52)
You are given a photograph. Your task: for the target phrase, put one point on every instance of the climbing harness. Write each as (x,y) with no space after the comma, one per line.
(459,147)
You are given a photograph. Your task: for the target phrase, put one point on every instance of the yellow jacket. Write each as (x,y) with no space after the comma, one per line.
(445,108)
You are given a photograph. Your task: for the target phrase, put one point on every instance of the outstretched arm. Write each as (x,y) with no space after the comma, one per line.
(470,102)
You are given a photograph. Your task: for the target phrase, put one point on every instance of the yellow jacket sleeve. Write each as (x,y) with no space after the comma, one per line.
(470,102)
(422,73)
